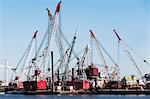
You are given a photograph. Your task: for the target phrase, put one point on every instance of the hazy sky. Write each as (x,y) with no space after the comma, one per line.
(131,18)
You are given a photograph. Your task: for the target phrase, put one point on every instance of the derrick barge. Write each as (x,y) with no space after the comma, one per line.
(85,78)
(80,87)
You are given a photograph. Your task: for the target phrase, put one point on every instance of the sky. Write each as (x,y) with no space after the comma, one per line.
(131,18)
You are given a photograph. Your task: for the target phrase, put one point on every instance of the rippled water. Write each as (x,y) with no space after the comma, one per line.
(10,96)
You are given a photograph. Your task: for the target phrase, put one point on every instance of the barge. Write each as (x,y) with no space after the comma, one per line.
(84,78)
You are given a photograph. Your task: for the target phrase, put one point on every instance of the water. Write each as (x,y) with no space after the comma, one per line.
(10,96)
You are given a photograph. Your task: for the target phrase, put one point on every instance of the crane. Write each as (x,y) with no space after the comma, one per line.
(69,56)
(100,48)
(52,31)
(24,58)
(81,71)
(128,53)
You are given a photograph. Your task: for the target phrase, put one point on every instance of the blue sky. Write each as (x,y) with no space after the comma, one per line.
(131,18)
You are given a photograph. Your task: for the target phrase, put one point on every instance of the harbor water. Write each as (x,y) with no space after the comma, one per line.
(10,96)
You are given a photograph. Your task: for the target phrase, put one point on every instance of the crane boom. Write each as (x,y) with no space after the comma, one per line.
(100,48)
(24,57)
(82,63)
(70,53)
(52,31)
(28,51)
(119,39)
(58,7)
(100,52)
(127,52)
(133,61)
(49,14)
